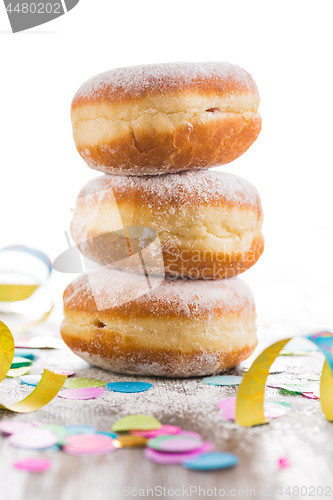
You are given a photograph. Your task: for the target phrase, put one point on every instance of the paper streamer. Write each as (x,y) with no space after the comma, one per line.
(250,396)
(46,390)
(15,292)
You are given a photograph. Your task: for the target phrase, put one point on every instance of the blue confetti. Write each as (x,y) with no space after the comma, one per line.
(80,429)
(223,380)
(30,379)
(128,386)
(26,353)
(113,435)
(211,461)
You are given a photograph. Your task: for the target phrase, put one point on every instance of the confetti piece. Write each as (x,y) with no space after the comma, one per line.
(130,441)
(228,407)
(137,423)
(26,353)
(176,458)
(175,444)
(80,429)
(53,449)
(17,372)
(211,461)
(250,396)
(83,393)
(128,386)
(80,383)
(34,439)
(113,435)
(316,392)
(59,430)
(13,426)
(89,444)
(31,379)
(285,392)
(309,395)
(223,380)
(18,362)
(191,434)
(285,352)
(284,463)
(68,373)
(295,386)
(165,429)
(272,409)
(33,464)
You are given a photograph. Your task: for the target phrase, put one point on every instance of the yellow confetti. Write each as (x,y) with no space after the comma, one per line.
(129,441)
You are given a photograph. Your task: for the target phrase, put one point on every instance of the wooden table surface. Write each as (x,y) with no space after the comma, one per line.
(303,436)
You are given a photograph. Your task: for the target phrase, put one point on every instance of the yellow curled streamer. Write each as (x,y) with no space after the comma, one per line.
(326,391)
(46,390)
(251,391)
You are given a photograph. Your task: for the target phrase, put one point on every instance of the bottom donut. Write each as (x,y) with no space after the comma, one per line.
(181,328)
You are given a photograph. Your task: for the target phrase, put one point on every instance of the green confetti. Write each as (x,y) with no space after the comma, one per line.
(80,382)
(137,423)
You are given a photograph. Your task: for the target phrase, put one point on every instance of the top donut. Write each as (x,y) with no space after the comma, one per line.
(159,118)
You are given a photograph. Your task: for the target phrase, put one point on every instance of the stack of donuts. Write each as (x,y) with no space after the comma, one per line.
(164,237)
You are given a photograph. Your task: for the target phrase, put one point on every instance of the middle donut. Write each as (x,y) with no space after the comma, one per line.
(208,222)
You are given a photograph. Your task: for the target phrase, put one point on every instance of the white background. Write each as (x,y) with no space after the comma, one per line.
(285,45)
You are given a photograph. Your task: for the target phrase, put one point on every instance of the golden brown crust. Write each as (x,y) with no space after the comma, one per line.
(148,152)
(111,354)
(149,120)
(208,223)
(181,328)
(209,264)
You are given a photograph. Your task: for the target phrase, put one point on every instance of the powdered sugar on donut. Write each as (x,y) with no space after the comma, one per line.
(191,187)
(173,298)
(139,81)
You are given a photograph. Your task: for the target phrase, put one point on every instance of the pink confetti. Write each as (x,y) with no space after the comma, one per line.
(176,458)
(190,434)
(309,395)
(284,463)
(165,429)
(228,407)
(89,444)
(274,411)
(12,426)
(175,444)
(34,439)
(33,464)
(82,393)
